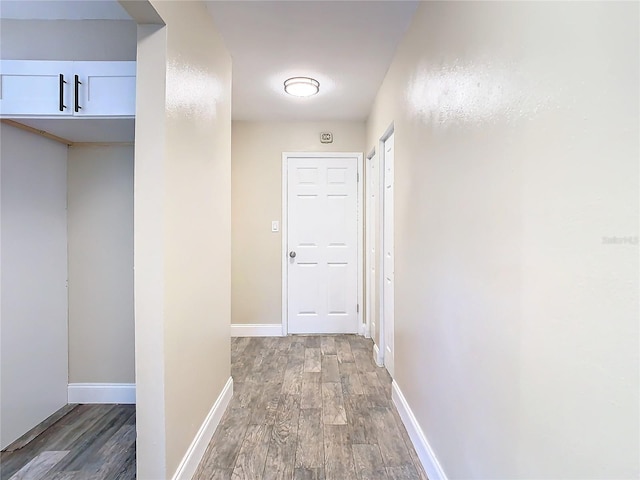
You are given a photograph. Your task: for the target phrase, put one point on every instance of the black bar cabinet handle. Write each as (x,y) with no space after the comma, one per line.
(77,106)
(61,103)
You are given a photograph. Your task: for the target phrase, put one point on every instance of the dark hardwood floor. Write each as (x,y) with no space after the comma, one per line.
(309,408)
(89,442)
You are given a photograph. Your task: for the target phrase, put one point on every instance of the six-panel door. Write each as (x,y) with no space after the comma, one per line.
(322,243)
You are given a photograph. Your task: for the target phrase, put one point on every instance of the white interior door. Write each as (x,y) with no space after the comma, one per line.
(322,242)
(388,250)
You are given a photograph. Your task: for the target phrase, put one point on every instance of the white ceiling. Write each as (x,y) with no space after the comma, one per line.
(346,45)
(63,10)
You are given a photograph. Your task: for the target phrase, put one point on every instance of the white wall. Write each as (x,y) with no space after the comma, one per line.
(182,231)
(517,148)
(34,273)
(67,39)
(256,200)
(100,229)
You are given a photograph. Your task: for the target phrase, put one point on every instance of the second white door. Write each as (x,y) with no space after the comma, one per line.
(322,241)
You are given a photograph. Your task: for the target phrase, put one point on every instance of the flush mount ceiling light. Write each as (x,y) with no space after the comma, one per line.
(301,86)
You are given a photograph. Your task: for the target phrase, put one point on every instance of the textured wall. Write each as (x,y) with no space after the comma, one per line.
(67,39)
(34,365)
(182,231)
(100,246)
(517,151)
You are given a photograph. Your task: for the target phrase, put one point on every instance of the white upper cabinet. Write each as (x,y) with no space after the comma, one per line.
(105,88)
(46,89)
(35,88)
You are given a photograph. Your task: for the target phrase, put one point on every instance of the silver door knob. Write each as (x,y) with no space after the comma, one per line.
(292,254)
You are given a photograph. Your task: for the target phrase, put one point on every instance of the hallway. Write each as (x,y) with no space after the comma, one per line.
(309,407)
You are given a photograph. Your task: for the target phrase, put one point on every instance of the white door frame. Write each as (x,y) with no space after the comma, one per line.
(381,160)
(370,283)
(284,230)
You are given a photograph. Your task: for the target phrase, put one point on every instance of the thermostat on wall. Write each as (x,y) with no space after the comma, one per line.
(326,137)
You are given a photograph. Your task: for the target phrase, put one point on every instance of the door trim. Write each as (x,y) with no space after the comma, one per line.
(369,232)
(284,229)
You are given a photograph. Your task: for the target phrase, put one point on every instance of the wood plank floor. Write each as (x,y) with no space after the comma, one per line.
(89,442)
(309,407)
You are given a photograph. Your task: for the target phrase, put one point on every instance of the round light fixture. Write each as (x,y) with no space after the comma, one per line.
(301,86)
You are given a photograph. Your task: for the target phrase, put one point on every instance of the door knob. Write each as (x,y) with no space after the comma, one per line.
(292,254)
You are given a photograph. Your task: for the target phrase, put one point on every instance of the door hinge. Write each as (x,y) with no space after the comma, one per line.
(358,176)
(358,308)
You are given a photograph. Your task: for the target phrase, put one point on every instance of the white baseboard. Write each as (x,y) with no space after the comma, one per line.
(363,331)
(192,458)
(425,453)
(376,356)
(256,330)
(101,393)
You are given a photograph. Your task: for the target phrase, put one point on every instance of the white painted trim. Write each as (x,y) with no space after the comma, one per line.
(256,330)
(284,228)
(363,330)
(427,457)
(369,235)
(284,232)
(189,464)
(380,272)
(360,230)
(377,357)
(124,393)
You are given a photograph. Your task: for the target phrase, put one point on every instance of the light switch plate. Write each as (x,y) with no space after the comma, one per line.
(275,226)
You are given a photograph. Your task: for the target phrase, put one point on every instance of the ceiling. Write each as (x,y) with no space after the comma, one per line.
(346,45)
(63,10)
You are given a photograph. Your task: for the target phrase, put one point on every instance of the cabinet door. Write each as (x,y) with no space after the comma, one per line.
(35,88)
(105,89)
